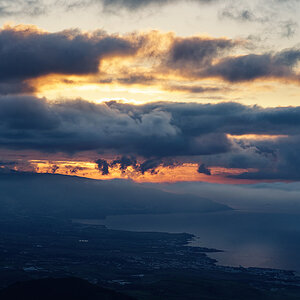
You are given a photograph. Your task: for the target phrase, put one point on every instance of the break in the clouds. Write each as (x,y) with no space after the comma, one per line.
(159,132)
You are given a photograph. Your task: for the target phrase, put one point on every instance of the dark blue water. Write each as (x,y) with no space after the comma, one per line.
(249,239)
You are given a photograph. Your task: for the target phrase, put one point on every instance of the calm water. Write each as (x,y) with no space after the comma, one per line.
(249,239)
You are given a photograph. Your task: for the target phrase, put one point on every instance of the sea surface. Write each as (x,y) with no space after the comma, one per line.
(248,239)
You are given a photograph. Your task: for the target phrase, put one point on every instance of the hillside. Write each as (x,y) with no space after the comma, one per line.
(74,197)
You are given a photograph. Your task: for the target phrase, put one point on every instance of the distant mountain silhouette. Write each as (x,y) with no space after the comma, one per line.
(32,194)
(59,289)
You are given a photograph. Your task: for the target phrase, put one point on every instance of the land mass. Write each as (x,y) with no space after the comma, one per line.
(143,265)
(31,194)
(59,289)
(39,240)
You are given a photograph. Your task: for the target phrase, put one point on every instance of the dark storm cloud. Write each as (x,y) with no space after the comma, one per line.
(27,53)
(276,159)
(194,58)
(284,155)
(202,169)
(157,129)
(124,162)
(150,164)
(15,87)
(252,66)
(102,166)
(185,53)
(200,58)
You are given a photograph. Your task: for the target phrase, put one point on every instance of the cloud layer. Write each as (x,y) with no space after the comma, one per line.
(161,133)
(165,60)
(162,60)
(147,136)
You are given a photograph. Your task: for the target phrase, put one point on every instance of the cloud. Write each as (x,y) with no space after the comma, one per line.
(263,197)
(195,89)
(156,134)
(129,79)
(151,130)
(284,160)
(185,53)
(196,58)
(26,52)
(202,169)
(150,164)
(9,166)
(288,28)
(274,16)
(141,167)
(54,168)
(124,162)
(244,12)
(74,170)
(253,66)
(23,7)
(103,166)
(139,4)
(11,87)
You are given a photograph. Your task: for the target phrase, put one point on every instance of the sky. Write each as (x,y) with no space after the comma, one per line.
(151,90)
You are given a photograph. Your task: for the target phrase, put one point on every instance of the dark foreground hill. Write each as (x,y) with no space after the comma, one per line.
(59,289)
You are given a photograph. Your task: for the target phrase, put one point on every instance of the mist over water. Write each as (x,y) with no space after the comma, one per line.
(248,239)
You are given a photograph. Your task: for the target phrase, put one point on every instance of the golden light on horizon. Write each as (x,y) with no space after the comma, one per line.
(184,172)
(257,137)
